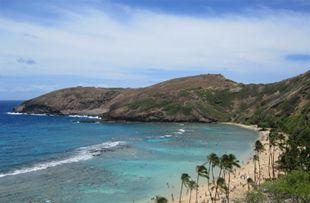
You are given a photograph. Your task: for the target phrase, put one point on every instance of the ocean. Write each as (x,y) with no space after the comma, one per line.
(57,159)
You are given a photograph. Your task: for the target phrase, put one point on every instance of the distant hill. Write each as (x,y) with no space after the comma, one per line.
(201,98)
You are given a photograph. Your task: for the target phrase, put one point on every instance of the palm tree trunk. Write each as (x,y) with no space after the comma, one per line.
(217,185)
(227,194)
(181,192)
(190,195)
(273,163)
(255,171)
(213,181)
(208,181)
(269,161)
(258,171)
(197,189)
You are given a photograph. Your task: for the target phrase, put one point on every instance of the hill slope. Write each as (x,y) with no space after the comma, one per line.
(202,98)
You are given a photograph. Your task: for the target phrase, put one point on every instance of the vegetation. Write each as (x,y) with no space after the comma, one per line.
(203,172)
(160,199)
(292,186)
(172,108)
(191,185)
(282,106)
(184,181)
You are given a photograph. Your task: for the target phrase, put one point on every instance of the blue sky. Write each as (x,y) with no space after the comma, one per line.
(53,44)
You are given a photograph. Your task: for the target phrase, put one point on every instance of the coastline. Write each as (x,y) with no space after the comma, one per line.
(246,169)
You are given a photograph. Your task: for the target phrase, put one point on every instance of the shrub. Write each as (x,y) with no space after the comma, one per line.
(134,105)
(184,93)
(243,106)
(187,109)
(172,108)
(255,196)
(207,110)
(158,95)
(145,104)
(162,103)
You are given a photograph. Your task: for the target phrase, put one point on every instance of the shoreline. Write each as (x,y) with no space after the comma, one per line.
(246,169)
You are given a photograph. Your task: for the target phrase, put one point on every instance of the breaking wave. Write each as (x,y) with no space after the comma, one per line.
(80,154)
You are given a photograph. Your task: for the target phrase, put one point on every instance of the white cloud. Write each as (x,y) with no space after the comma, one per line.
(95,44)
(32,88)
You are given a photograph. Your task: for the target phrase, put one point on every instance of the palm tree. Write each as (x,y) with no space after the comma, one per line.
(191,185)
(184,180)
(203,172)
(273,143)
(255,158)
(160,199)
(231,162)
(213,160)
(221,185)
(223,163)
(250,182)
(259,147)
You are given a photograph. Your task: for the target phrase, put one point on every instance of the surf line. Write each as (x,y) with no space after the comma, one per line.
(84,153)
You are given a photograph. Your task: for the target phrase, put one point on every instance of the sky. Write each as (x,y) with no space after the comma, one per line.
(47,45)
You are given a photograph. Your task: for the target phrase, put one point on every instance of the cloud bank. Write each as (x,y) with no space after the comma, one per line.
(126,43)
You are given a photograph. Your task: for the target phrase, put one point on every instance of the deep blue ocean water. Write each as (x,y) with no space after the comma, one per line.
(57,159)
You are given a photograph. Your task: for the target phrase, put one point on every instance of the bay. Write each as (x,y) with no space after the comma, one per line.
(57,159)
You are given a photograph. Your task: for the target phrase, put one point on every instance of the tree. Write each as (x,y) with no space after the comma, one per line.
(203,172)
(213,160)
(231,162)
(249,183)
(255,158)
(255,197)
(273,143)
(191,186)
(160,199)
(222,164)
(294,186)
(263,125)
(184,180)
(259,147)
(220,185)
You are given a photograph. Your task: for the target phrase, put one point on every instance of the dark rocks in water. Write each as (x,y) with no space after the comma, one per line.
(98,152)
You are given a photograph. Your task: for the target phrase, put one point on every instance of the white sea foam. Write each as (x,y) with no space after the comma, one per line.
(38,114)
(180,132)
(15,113)
(32,114)
(159,137)
(82,154)
(84,116)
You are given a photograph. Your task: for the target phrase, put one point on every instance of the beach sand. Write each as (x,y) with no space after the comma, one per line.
(247,169)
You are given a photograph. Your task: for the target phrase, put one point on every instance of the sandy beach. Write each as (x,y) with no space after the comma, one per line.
(239,178)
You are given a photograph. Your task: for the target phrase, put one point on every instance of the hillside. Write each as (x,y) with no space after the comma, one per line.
(201,98)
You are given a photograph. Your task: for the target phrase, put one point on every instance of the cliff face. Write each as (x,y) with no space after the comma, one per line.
(71,101)
(202,98)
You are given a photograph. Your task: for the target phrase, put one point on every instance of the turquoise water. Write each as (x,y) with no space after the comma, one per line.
(56,159)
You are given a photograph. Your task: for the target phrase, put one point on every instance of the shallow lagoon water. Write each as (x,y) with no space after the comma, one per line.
(52,159)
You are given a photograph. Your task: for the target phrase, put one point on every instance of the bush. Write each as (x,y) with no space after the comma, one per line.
(243,106)
(207,110)
(184,93)
(172,109)
(187,109)
(135,105)
(255,197)
(294,186)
